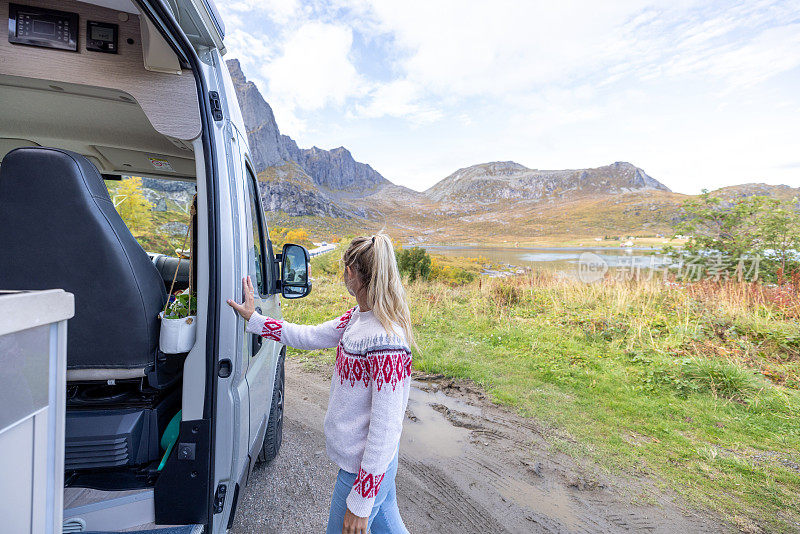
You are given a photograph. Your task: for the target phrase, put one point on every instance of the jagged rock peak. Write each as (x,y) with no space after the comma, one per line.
(262,131)
(235,68)
(334,169)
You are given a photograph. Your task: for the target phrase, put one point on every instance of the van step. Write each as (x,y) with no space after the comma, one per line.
(183,529)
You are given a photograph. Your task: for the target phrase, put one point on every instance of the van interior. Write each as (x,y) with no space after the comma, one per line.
(74,122)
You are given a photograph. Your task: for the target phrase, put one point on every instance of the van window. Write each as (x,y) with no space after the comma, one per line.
(258,233)
(156,211)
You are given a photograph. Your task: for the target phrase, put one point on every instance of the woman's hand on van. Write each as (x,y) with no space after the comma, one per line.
(248,307)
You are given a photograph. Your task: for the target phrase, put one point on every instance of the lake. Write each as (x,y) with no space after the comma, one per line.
(566,259)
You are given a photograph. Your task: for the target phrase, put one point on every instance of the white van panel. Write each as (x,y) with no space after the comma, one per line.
(33,348)
(194,367)
(169,100)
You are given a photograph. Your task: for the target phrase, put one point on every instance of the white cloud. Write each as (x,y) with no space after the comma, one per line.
(257,49)
(281,11)
(675,87)
(492,48)
(399,98)
(313,70)
(458,48)
(251,49)
(772,52)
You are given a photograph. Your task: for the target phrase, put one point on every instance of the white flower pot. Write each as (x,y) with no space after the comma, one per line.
(177,335)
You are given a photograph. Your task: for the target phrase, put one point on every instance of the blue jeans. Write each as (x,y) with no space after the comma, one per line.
(385,516)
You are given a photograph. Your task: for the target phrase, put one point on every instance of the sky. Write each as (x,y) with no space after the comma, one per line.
(699,94)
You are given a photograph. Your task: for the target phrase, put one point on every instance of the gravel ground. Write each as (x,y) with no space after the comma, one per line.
(293,492)
(466,466)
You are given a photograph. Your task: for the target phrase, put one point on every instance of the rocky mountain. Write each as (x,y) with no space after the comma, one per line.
(781,192)
(266,144)
(287,188)
(499,201)
(336,169)
(507,180)
(289,167)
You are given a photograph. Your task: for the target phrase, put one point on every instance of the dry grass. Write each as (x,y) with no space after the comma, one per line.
(705,376)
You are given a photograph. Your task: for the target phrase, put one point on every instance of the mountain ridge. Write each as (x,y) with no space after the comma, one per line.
(335,169)
(499,200)
(266,146)
(491,181)
(784,192)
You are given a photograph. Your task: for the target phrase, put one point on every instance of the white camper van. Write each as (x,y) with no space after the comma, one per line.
(90,92)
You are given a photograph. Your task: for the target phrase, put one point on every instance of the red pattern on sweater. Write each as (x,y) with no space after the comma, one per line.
(344,319)
(367,484)
(384,367)
(272,329)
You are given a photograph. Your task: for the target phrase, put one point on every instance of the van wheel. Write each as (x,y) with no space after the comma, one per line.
(274,435)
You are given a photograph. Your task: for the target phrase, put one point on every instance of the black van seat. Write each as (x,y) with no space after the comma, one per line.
(166,266)
(59,229)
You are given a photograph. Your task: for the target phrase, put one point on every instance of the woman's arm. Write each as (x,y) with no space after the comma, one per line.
(299,336)
(305,337)
(385,425)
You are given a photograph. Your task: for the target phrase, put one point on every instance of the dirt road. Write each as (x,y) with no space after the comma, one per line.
(466,466)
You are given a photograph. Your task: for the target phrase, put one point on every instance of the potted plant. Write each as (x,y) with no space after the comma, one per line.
(179,317)
(179,324)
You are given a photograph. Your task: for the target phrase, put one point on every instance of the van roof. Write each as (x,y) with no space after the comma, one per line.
(217,18)
(199,19)
(201,22)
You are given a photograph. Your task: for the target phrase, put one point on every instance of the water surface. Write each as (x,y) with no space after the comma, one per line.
(566,259)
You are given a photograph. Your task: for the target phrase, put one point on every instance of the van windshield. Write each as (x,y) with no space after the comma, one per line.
(156,211)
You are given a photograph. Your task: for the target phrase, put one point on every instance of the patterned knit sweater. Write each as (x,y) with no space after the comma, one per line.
(369,392)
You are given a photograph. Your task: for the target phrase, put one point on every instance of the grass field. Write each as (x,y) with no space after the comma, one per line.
(695,387)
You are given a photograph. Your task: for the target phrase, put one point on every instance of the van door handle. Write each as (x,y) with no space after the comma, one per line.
(257,342)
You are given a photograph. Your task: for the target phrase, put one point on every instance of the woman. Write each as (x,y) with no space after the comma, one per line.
(369,388)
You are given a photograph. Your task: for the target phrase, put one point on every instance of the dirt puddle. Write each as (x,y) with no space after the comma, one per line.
(426,432)
(483,468)
(440,426)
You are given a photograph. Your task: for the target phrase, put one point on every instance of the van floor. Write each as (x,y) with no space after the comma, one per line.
(466,466)
(78,497)
(74,497)
(184,529)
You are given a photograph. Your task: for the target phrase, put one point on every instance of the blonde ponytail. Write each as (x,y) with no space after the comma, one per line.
(374,260)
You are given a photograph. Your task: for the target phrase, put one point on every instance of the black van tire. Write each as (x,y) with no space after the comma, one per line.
(274,434)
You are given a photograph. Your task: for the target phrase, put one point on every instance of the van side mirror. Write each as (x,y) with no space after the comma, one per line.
(295,280)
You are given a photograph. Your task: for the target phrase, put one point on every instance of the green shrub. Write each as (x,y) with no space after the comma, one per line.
(414,263)
(738,238)
(451,270)
(697,375)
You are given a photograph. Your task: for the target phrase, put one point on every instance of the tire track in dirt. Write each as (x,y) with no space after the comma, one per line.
(556,493)
(454,511)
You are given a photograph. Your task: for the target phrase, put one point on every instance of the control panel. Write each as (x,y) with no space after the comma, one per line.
(102,37)
(38,26)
